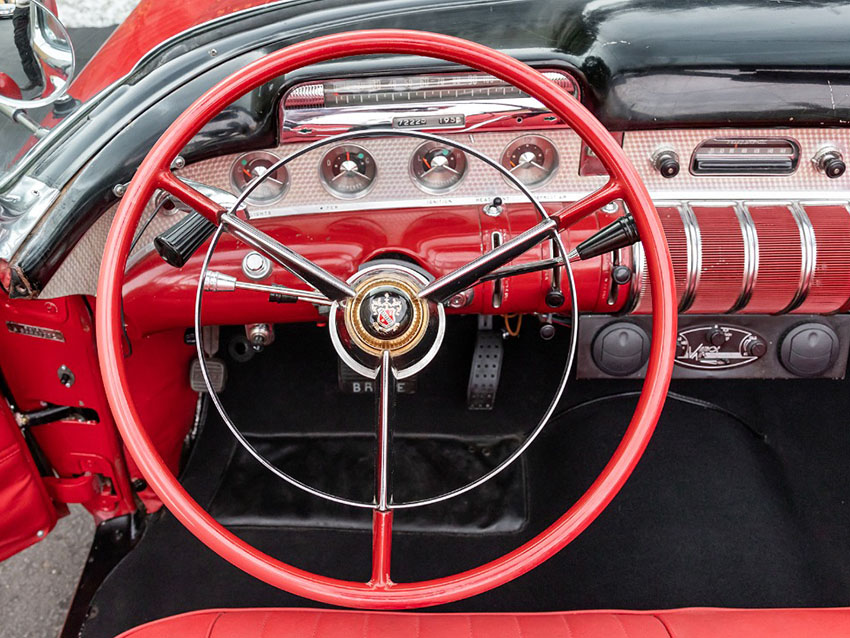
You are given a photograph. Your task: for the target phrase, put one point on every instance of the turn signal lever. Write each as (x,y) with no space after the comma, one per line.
(618,234)
(177,244)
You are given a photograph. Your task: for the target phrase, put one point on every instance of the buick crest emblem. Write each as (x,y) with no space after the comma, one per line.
(387,313)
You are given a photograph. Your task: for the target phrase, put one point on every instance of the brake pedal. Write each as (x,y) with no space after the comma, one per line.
(486,366)
(217,372)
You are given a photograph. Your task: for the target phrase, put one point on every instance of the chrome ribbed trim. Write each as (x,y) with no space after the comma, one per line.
(751,256)
(639,270)
(694,252)
(305,96)
(809,253)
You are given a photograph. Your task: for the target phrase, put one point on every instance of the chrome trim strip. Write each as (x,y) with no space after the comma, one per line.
(639,271)
(21,208)
(509,198)
(694,251)
(809,249)
(751,256)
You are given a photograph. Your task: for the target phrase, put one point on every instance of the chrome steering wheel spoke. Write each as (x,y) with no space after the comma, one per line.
(385,398)
(313,275)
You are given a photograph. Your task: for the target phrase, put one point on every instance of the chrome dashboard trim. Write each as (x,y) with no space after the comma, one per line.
(21,208)
(808,250)
(512,198)
(694,253)
(639,269)
(751,256)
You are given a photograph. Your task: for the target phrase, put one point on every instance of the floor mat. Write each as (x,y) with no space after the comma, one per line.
(344,466)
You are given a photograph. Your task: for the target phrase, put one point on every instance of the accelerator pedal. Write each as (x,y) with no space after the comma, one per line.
(486,366)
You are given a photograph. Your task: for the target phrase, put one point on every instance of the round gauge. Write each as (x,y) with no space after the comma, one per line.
(249,167)
(437,168)
(532,159)
(348,171)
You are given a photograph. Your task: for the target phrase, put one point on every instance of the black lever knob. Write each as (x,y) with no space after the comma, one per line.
(618,234)
(834,167)
(666,162)
(177,244)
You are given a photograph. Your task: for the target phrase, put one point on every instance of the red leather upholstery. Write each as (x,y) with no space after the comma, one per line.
(680,623)
(25,507)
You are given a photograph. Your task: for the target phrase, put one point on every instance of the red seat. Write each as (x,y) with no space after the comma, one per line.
(679,623)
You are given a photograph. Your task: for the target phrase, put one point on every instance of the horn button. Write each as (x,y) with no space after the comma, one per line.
(385,314)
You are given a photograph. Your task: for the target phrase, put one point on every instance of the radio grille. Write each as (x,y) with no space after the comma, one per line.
(674,229)
(779,262)
(756,258)
(830,287)
(722,273)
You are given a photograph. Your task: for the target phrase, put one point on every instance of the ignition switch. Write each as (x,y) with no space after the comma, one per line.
(260,335)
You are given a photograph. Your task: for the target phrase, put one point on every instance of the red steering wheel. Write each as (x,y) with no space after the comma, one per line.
(380,592)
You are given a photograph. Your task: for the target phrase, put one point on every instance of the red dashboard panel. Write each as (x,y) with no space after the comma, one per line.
(437,239)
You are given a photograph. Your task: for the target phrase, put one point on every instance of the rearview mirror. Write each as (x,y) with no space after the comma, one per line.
(36,55)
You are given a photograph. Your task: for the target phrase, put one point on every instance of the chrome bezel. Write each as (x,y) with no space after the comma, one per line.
(252,199)
(538,138)
(428,189)
(340,194)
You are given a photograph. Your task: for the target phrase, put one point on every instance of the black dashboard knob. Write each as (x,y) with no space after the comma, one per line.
(834,167)
(715,336)
(555,299)
(621,275)
(666,162)
(757,348)
(830,162)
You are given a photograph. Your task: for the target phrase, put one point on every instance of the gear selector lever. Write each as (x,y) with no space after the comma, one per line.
(618,234)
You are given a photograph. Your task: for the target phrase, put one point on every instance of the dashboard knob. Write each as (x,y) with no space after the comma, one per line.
(666,162)
(830,162)
(555,299)
(621,275)
(757,348)
(715,336)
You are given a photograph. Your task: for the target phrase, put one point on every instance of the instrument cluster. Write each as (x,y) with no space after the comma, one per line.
(349,171)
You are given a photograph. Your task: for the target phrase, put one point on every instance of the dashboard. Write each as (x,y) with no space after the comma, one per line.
(756,219)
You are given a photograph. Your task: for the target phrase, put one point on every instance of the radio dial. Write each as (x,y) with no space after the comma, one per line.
(666,162)
(830,162)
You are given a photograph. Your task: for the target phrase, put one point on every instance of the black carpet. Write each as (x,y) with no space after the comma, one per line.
(741,508)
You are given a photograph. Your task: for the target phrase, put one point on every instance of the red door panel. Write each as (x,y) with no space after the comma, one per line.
(26,511)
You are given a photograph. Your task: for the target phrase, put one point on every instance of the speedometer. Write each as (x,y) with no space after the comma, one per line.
(437,168)
(532,159)
(348,171)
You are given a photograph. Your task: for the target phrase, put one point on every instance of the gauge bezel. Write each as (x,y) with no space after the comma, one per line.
(532,136)
(347,195)
(251,199)
(428,189)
